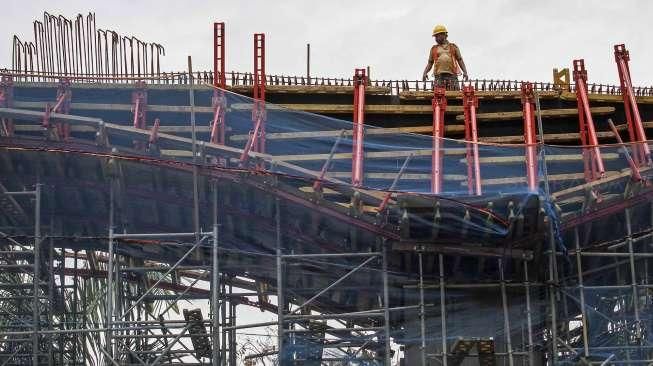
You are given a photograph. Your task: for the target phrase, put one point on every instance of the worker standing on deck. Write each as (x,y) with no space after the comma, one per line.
(445,58)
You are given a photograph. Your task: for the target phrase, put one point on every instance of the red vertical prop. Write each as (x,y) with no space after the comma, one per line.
(360,80)
(592,159)
(470,103)
(218,101)
(641,152)
(528,110)
(218,55)
(258,112)
(439,104)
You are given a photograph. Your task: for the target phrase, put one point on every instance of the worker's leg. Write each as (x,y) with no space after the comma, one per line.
(448,81)
(452,82)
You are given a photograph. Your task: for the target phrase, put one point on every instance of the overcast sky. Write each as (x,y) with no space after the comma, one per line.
(515,39)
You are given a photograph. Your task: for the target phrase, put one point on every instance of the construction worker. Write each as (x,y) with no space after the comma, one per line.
(447,59)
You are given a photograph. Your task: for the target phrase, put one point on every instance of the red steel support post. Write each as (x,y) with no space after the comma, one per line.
(470,103)
(439,104)
(218,101)
(360,80)
(528,110)
(6,101)
(594,168)
(641,152)
(258,111)
(219,78)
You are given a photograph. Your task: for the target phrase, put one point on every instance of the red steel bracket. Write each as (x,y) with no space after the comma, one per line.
(594,168)
(256,140)
(154,132)
(633,167)
(219,104)
(360,80)
(139,107)
(528,110)
(61,106)
(317,185)
(641,152)
(470,104)
(6,101)
(439,104)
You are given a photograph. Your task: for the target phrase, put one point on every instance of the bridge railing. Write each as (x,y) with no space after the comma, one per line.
(245,79)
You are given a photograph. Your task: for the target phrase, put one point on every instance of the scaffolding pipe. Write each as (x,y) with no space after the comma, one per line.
(443,310)
(581,289)
(37,275)
(280,295)
(422,311)
(386,305)
(215,286)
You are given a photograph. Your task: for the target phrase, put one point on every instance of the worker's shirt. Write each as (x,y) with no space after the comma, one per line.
(445,58)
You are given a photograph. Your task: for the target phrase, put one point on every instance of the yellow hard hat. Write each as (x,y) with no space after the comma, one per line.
(439,29)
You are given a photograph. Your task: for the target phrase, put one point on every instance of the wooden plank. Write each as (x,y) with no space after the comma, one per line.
(482,95)
(463,178)
(548,138)
(369,155)
(597,183)
(546,113)
(334,133)
(426,129)
(115,107)
(349,108)
(75,128)
(605,98)
(549,158)
(393,175)
(516,95)
(519,180)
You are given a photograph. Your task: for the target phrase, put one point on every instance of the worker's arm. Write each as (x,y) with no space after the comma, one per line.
(462,64)
(429,65)
(425,74)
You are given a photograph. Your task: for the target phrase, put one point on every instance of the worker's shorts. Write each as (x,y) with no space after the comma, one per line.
(449,81)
